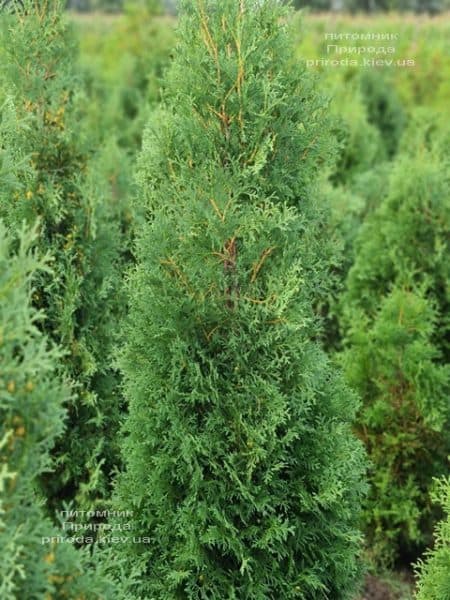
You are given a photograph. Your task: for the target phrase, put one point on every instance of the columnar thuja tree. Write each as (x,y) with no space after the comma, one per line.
(31,418)
(396,328)
(43,139)
(241,469)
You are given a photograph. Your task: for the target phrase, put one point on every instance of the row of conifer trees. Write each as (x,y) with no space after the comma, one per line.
(185,382)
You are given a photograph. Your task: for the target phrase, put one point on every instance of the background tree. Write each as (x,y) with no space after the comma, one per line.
(384,109)
(42,136)
(32,396)
(394,317)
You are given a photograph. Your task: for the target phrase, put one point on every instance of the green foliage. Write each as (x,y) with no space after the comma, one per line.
(345,219)
(425,40)
(350,205)
(123,63)
(384,109)
(241,468)
(46,157)
(228,181)
(372,187)
(394,315)
(32,395)
(360,141)
(434,572)
(427,130)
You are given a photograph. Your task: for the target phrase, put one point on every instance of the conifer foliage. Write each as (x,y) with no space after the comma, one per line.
(241,469)
(434,571)
(45,154)
(31,418)
(396,328)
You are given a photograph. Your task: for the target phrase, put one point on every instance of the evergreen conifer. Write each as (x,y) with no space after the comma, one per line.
(396,328)
(434,572)
(45,159)
(241,468)
(384,109)
(359,140)
(31,418)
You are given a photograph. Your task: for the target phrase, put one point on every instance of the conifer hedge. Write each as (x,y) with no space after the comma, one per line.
(394,317)
(241,468)
(46,155)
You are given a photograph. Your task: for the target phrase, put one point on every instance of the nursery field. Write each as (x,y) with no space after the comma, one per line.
(224,304)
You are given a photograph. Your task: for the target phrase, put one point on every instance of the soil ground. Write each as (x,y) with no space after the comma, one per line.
(398,586)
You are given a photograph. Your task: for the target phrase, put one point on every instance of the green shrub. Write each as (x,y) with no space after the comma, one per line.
(344,220)
(44,140)
(360,142)
(122,66)
(384,109)
(32,395)
(394,317)
(372,186)
(434,572)
(241,468)
(427,130)
(349,206)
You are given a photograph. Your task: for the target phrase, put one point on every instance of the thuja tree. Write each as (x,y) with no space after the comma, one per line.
(31,418)
(384,109)
(396,328)
(122,70)
(42,137)
(349,206)
(360,141)
(434,572)
(241,469)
